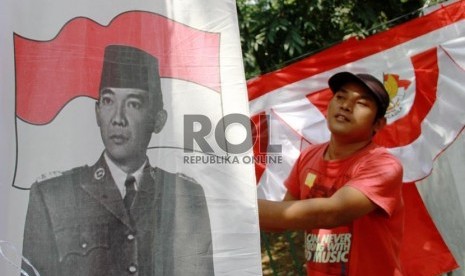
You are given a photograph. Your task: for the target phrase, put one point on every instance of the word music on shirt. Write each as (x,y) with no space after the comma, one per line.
(327,248)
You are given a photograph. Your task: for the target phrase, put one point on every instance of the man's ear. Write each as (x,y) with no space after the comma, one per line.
(160,120)
(97,113)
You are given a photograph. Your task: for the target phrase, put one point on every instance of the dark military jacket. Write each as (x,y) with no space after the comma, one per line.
(77,224)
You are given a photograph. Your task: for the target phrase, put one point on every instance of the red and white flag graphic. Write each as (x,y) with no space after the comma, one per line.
(45,78)
(51,62)
(421,64)
(61,76)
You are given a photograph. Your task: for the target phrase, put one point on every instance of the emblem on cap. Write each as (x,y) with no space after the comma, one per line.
(99,173)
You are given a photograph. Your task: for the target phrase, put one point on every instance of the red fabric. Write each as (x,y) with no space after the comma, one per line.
(420,232)
(261,141)
(374,239)
(405,130)
(423,249)
(426,69)
(52,73)
(352,50)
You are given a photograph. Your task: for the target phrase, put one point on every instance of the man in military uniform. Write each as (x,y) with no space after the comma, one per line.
(120,216)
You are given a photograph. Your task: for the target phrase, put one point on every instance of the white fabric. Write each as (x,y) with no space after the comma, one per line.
(72,138)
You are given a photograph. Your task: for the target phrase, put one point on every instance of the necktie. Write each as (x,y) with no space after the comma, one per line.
(130,191)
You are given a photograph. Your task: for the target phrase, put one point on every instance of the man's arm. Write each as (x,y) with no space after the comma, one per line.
(204,236)
(288,197)
(343,207)
(275,228)
(39,242)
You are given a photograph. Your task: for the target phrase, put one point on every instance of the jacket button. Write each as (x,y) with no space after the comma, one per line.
(84,245)
(132,269)
(130,237)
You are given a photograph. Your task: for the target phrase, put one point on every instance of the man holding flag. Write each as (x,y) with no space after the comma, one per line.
(346,193)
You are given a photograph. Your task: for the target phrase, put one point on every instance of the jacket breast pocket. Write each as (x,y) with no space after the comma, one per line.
(81,240)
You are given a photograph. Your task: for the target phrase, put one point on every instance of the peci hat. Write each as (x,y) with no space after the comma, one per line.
(129,67)
(370,82)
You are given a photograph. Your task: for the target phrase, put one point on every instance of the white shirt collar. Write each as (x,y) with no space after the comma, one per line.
(119,176)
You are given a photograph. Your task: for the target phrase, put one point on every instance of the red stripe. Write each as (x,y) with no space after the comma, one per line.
(423,251)
(260,136)
(50,73)
(320,99)
(353,50)
(408,128)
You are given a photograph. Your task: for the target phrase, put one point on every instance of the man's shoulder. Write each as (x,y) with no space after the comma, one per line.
(180,180)
(186,178)
(173,175)
(55,179)
(382,154)
(379,159)
(312,152)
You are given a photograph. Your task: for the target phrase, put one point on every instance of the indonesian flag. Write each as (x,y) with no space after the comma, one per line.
(59,78)
(422,65)
(51,61)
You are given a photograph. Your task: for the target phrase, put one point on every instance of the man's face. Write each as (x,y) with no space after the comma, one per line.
(126,120)
(352,113)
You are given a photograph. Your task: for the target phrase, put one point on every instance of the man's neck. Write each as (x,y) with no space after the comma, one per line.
(342,149)
(128,167)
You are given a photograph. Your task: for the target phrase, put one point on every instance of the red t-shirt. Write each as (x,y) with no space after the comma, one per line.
(369,245)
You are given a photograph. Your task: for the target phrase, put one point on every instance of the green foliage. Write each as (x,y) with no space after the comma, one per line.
(277,32)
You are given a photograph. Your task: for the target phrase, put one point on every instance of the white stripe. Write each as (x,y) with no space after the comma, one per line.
(445,120)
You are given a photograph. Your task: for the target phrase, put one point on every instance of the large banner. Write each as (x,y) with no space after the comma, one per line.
(118,121)
(422,65)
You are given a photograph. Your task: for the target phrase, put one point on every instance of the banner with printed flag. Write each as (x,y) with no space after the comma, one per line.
(421,64)
(52,67)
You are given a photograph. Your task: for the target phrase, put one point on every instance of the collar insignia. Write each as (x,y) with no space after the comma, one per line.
(99,173)
(152,173)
